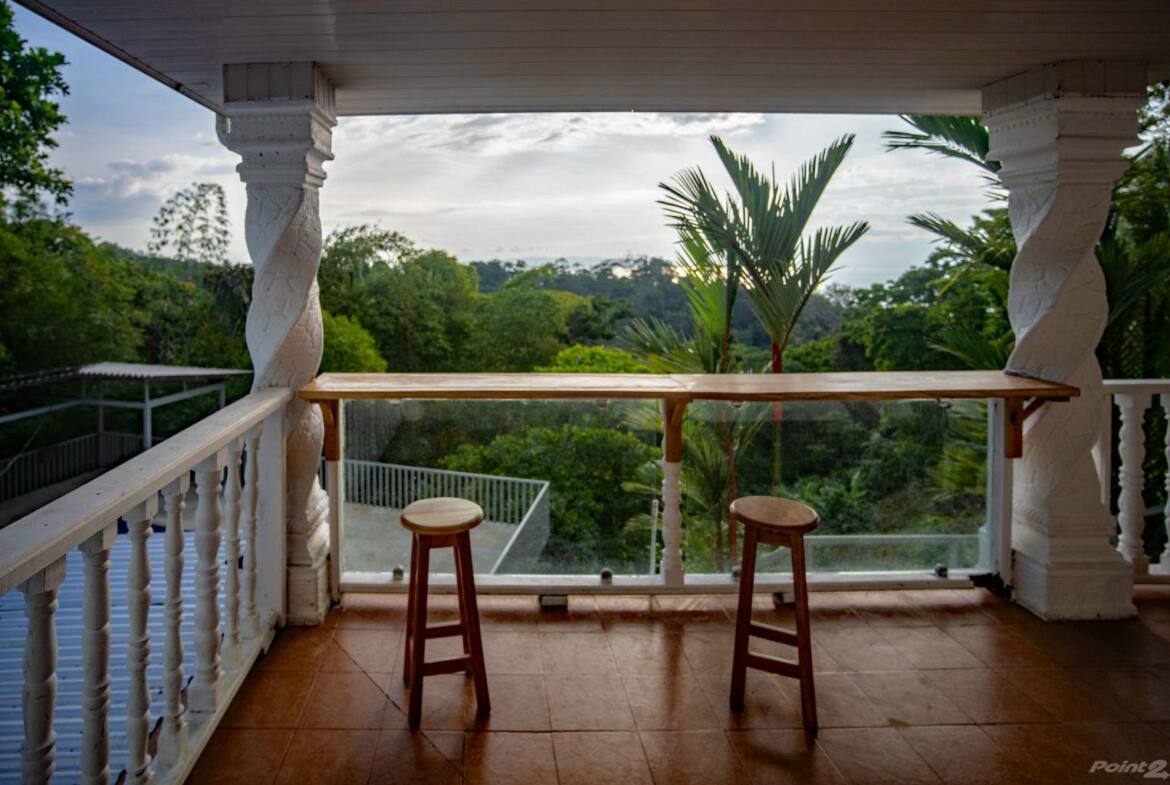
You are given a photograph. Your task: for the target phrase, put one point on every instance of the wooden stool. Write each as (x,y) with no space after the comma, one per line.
(444,522)
(777,522)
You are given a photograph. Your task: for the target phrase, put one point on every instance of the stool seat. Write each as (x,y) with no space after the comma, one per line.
(441,515)
(770,512)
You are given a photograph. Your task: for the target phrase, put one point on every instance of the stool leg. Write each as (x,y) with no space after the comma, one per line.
(463,614)
(743,617)
(418,646)
(808,696)
(411,589)
(471,623)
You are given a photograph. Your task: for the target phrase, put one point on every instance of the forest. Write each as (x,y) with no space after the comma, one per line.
(390,305)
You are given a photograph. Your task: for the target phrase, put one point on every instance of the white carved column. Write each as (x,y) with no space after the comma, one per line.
(279,119)
(231,508)
(39,694)
(1059,132)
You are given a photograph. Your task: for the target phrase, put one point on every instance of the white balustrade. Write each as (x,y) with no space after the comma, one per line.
(1133,398)
(207,687)
(95,704)
(138,764)
(32,558)
(231,507)
(39,695)
(172,742)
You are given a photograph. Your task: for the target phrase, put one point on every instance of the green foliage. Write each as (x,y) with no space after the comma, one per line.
(421,312)
(29,79)
(193,225)
(588,508)
(518,328)
(348,347)
(348,257)
(953,136)
(65,300)
(593,359)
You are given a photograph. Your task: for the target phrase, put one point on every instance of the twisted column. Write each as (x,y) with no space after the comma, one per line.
(279,119)
(1061,153)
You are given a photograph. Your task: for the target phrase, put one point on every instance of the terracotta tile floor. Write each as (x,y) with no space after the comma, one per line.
(948,686)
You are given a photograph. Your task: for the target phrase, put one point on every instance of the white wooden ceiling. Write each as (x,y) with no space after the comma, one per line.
(419,56)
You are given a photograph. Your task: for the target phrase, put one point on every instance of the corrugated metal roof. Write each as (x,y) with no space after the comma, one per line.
(70,664)
(113,370)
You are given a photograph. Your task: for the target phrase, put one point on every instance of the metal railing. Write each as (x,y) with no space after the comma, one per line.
(35,469)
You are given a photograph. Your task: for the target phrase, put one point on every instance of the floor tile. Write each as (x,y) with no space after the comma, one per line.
(588,703)
(840,702)
(370,650)
(576,654)
(608,758)
(406,758)
(1054,754)
(511,653)
(339,757)
(833,609)
(241,756)
(783,757)
(886,609)
(344,701)
(960,754)
(618,612)
(516,613)
(581,615)
(270,699)
(988,697)
(949,607)
(510,759)
(669,703)
(691,612)
(373,611)
(930,647)
(693,758)
(1141,691)
(765,705)
(1000,646)
(637,652)
(875,756)
(1065,697)
(296,649)
(908,698)
(861,649)
(518,703)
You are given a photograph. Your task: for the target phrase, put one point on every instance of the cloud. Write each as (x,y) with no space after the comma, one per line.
(505,134)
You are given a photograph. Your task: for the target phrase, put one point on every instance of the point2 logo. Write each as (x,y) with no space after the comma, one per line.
(1149,769)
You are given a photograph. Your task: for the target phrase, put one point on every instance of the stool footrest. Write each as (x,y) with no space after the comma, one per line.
(452,665)
(777,665)
(777,634)
(444,630)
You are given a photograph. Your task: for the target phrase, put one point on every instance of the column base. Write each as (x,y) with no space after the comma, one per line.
(308,593)
(1071,590)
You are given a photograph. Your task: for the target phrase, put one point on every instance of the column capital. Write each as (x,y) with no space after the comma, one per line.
(279,118)
(1067,121)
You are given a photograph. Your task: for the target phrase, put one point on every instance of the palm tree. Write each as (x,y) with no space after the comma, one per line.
(760,229)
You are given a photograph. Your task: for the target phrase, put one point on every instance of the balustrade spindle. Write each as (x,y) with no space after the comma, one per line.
(206,689)
(95,700)
(39,694)
(1163,565)
(231,507)
(138,763)
(172,742)
(1131,507)
(250,623)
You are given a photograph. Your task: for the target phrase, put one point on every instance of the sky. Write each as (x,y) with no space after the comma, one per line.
(522,186)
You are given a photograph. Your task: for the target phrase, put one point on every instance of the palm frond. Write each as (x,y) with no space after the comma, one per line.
(953,136)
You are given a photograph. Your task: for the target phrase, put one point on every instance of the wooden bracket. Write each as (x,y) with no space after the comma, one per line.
(331,414)
(672,444)
(1016,411)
